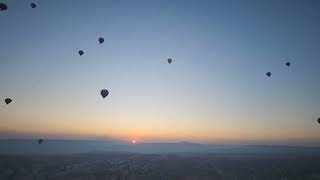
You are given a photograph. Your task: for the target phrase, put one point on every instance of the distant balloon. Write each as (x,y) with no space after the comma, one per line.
(288,64)
(268,74)
(33,5)
(169,60)
(101,40)
(104,93)
(319,120)
(8,100)
(40,141)
(3,7)
(81,52)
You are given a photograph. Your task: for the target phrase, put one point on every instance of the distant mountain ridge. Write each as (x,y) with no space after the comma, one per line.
(31,146)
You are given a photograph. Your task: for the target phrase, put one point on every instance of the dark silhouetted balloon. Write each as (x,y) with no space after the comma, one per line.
(169,60)
(81,52)
(3,7)
(101,40)
(268,74)
(40,141)
(319,120)
(104,93)
(288,64)
(8,100)
(33,5)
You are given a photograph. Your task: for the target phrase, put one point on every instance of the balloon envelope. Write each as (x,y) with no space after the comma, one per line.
(268,74)
(40,141)
(33,5)
(8,100)
(319,120)
(81,52)
(104,93)
(169,60)
(3,7)
(101,40)
(288,64)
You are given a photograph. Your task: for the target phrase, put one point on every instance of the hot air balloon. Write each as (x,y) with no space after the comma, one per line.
(169,60)
(268,74)
(33,5)
(81,52)
(288,64)
(3,7)
(40,141)
(319,120)
(101,40)
(104,93)
(8,100)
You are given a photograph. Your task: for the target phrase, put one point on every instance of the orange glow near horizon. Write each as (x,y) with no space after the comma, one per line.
(168,135)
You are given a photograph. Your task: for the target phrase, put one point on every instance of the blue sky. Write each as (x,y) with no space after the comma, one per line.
(214,91)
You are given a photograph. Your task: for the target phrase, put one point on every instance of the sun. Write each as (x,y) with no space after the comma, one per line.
(133,141)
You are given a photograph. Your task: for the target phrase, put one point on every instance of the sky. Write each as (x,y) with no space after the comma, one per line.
(215,91)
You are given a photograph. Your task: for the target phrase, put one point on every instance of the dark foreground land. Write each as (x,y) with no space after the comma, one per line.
(132,166)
